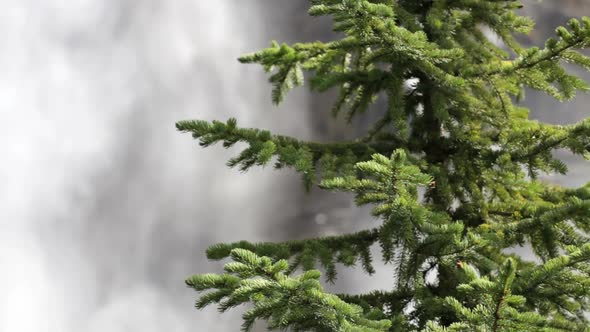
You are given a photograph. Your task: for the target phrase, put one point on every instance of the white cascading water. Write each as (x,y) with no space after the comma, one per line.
(105,208)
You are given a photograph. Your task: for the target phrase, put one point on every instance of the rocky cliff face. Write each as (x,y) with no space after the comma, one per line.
(563,8)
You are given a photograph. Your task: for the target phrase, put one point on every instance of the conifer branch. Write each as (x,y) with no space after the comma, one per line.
(301,155)
(299,303)
(346,249)
(444,170)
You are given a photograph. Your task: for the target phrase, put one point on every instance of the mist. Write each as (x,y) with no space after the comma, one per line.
(106,209)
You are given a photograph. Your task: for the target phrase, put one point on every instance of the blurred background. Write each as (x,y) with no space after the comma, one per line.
(106,209)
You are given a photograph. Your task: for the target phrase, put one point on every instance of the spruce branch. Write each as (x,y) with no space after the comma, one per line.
(297,303)
(301,155)
(326,251)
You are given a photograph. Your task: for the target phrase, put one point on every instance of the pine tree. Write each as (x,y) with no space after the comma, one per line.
(451,170)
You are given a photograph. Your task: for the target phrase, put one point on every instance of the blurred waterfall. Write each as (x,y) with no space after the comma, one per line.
(106,209)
